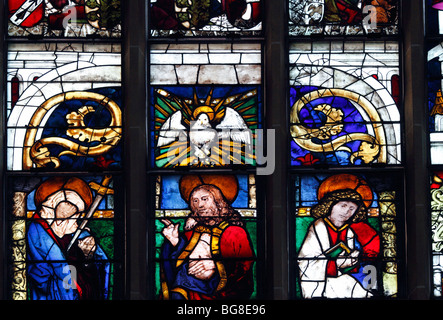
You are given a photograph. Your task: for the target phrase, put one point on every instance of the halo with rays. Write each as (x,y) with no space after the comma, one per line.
(224,151)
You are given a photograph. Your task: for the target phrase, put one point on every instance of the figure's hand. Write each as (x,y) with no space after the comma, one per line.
(170,231)
(190,223)
(202,269)
(349,260)
(88,246)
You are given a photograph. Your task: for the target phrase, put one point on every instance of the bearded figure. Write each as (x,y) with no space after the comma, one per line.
(213,257)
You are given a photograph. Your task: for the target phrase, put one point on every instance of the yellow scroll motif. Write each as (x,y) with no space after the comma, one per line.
(36,153)
(372,147)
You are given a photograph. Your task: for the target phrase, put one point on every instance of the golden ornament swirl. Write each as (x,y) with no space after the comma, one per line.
(36,153)
(372,147)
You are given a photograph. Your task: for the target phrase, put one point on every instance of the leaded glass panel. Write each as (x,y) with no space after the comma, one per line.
(343,17)
(65,237)
(205,63)
(213,18)
(434,17)
(344,103)
(436,189)
(347,241)
(206,236)
(64,107)
(435,78)
(205,125)
(64,18)
(207,109)
(434,50)
(205,103)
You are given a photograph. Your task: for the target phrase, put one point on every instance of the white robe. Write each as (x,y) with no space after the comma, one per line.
(312,267)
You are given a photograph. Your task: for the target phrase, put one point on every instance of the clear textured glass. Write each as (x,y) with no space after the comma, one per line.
(176,64)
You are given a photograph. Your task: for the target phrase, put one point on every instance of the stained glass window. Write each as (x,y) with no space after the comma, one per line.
(50,259)
(343,17)
(435,52)
(69,113)
(434,17)
(436,227)
(205,111)
(345,113)
(233,113)
(209,89)
(63,150)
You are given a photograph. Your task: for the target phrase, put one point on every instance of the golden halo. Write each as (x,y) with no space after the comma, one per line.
(228,185)
(55,184)
(346,181)
(204,109)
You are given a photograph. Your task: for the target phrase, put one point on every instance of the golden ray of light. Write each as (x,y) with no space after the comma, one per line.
(183,156)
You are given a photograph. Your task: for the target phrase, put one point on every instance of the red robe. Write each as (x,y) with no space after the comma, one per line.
(364,234)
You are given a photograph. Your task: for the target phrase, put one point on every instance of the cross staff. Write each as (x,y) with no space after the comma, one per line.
(102,190)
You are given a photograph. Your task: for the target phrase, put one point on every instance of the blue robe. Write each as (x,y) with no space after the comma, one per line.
(180,277)
(49,273)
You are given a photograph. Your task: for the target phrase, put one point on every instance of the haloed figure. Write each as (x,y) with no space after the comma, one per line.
(56,273)
(213,258)
(335,247)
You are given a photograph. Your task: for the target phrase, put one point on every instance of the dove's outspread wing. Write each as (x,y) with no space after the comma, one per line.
(171,130)
(234,127)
